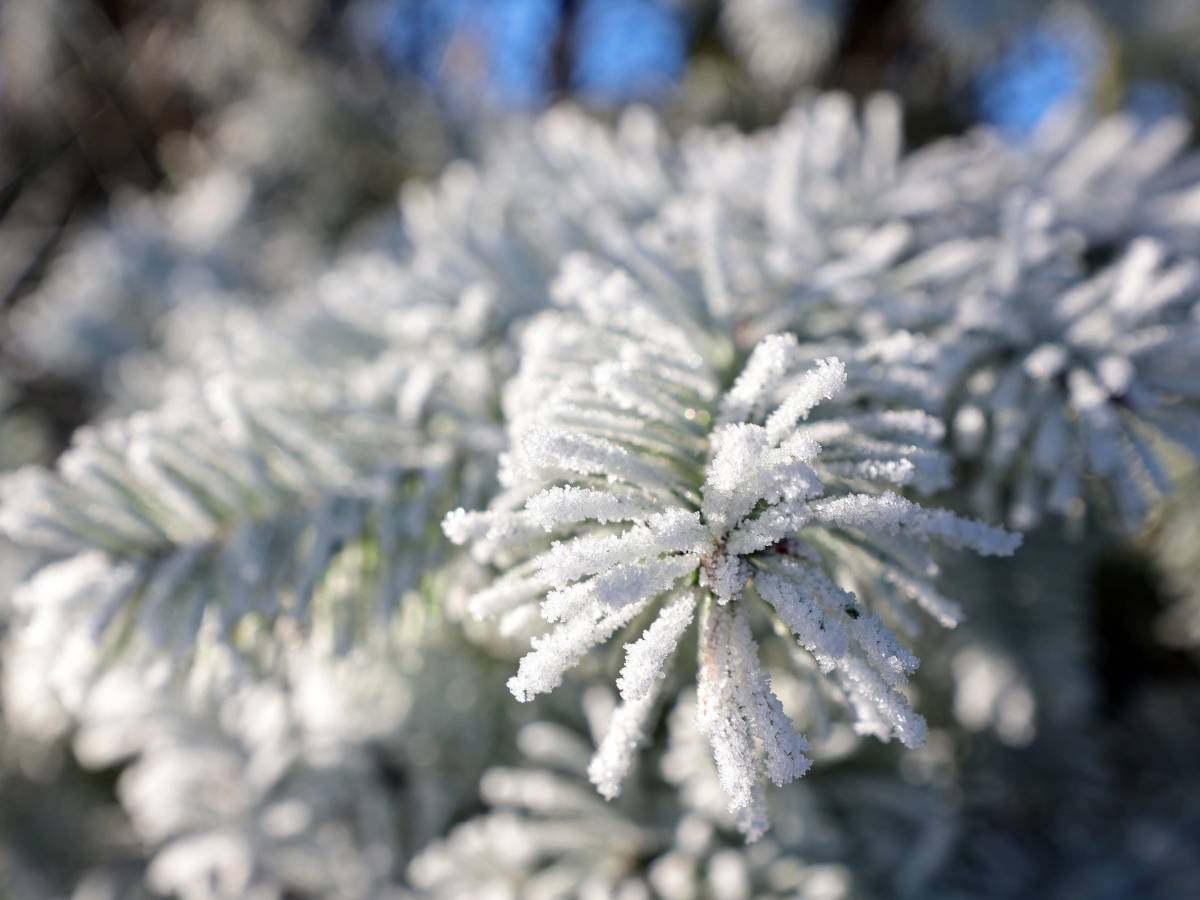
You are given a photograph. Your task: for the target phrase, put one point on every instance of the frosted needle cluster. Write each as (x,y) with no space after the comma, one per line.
(642,495)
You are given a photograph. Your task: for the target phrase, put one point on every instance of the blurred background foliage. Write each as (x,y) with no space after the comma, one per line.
(309,115)
(331,105)
(226,149)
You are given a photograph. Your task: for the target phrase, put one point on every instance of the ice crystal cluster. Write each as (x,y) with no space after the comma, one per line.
(744,407)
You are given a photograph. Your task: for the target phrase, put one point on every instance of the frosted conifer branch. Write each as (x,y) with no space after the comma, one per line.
(217,520)
(324,435)
(770,491)
(1061,385)
(293,477)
